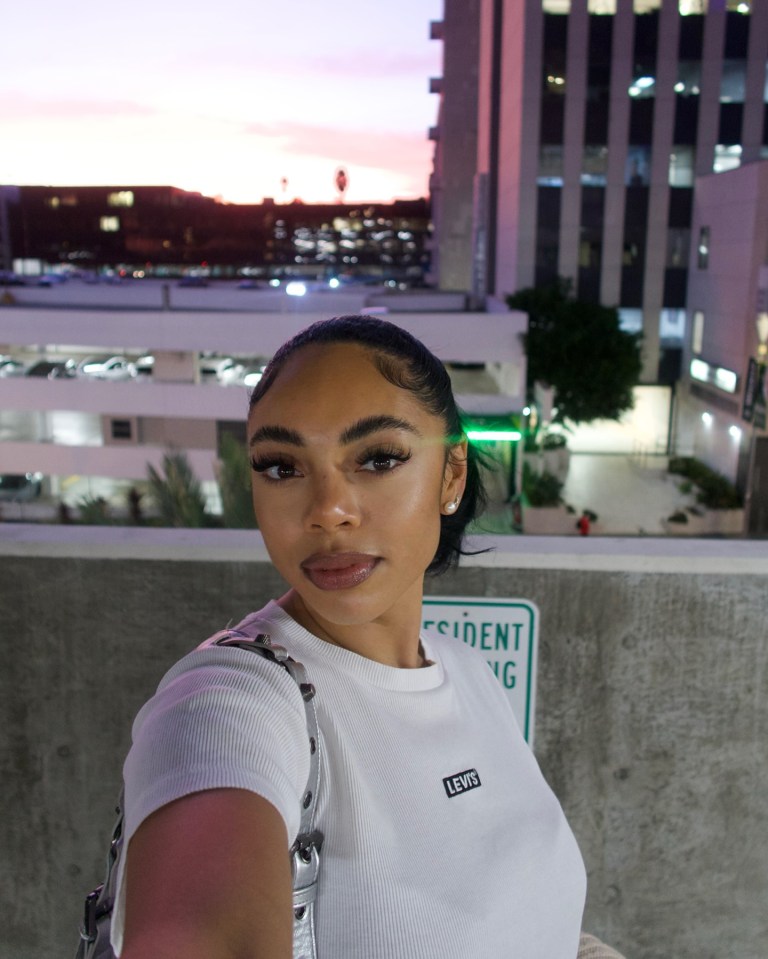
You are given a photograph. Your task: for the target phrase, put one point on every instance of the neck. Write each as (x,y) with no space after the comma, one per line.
(392,640)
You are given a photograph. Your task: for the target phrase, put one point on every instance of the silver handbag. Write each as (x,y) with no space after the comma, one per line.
(305,851)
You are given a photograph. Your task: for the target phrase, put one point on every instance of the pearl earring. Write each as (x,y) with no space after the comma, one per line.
(452,507)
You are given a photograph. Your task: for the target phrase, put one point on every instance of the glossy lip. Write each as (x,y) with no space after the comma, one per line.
(330,571)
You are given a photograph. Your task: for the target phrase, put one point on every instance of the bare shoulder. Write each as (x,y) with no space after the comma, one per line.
(208,875)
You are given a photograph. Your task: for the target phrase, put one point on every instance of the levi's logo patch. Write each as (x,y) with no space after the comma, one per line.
(461,782)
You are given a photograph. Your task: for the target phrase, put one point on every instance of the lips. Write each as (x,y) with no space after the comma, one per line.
(338,570)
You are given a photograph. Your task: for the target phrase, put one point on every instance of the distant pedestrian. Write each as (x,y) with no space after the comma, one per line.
(583,523)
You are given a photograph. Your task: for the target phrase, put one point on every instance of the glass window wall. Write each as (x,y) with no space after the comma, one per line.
(681,165)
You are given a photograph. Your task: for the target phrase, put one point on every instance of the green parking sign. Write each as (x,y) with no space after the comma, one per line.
(506,632)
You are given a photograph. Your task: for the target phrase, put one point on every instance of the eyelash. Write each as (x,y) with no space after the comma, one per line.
(264,465)
(384,453)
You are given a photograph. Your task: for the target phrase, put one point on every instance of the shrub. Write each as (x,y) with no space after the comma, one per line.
(713,490)
(541,489)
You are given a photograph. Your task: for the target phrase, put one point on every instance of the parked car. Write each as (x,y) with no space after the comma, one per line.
(52,369)
(7,278)
(20,487)
(222,368)
(145,365)
(106,368)
(10,366)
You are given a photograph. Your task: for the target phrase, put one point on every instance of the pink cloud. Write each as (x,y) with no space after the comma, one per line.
(20,106)
(354,148)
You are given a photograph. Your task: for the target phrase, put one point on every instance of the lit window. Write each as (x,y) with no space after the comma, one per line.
(688,78)
(109,224)
(638,166)
(691,7)
(602,7)
(643,87)
(550,166)
(556,6)
(727,157)
(594,165)
(646,6)
(703,248)
(631,320)
(672,324)
(739,6)
(121,198)
(733,81)
(726,379)
(681,161)
(699,371)
(697,336)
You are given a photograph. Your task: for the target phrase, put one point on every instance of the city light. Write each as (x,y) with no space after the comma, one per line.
(296,288)
(706,419)
(735,432)
(494,436)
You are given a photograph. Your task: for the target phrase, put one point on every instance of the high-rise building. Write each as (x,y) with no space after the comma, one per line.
(588,122)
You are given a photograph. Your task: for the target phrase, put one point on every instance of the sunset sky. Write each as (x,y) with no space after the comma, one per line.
(225,98)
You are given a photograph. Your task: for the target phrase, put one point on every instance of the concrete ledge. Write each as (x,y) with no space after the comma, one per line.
(603,553)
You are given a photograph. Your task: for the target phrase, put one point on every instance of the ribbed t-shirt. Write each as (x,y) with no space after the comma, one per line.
(442,838)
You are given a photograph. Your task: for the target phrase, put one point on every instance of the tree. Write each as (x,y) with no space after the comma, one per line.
(177,492)
(234,476)
(580,351)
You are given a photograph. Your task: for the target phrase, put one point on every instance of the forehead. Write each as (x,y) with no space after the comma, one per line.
(336,383)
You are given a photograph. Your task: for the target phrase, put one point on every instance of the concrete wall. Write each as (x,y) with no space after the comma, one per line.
(652,713)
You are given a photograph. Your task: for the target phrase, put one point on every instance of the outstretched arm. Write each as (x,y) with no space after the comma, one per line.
(208,877)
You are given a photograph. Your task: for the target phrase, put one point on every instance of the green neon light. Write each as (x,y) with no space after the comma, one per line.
(509,436)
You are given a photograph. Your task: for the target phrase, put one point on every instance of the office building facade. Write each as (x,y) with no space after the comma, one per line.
(590,121)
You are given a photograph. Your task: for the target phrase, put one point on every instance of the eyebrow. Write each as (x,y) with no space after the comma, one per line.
(357,431)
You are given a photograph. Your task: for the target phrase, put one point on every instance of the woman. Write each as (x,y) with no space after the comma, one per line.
(441,837)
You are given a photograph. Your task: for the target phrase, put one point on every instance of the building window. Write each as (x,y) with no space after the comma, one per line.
(121,430)
(109,224)
(672,324)
(550,166)
(688,78)
(638,166)
(121,198)
(703,248)
(602,7)
(646,6)
(697,332)
(631,321)
(727,157)
(678,247)
(739,6)
(733,81)
(689,8)
(556,6)
(594,165)
(642,87)
(681,165)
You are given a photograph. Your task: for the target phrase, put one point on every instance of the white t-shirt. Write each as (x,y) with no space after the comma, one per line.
(442,839)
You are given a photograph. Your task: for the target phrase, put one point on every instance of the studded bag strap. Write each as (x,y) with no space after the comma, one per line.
(305,851)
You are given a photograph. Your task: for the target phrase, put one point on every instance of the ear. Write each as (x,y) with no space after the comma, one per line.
(454,475)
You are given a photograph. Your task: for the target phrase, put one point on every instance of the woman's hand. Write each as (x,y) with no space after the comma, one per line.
(208,877)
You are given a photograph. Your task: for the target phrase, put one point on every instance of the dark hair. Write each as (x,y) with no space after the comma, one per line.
(405,362)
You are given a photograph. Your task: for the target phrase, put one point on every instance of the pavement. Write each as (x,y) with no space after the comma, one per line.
(631,495)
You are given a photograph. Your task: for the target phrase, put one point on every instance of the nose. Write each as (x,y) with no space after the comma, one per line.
(332,503)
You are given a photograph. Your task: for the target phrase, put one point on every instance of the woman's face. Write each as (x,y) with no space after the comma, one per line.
(350,476)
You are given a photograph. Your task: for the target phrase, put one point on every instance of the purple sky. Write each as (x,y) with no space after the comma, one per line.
(225,98)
